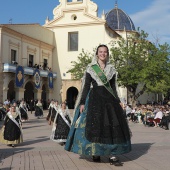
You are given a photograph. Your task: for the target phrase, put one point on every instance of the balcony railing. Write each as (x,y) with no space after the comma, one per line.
(27,70)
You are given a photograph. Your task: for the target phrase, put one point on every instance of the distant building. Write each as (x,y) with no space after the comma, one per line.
(54,45)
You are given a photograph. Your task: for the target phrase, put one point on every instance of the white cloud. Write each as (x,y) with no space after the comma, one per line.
(155,20)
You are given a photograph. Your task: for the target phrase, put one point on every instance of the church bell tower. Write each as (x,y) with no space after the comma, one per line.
(66,5)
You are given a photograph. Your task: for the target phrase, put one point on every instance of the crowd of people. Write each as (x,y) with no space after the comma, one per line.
(154,115)
(15,114)
(22,107)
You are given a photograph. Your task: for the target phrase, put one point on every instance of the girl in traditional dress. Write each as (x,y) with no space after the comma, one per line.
(61,125)
(39,109)
(50,108)
(24,111)
(53,112)
(99,126)
(17,109)
(12,130)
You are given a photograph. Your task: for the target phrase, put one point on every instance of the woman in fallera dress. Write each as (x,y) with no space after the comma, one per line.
(54,112)
(24,111)
(61,125)
(50,108)
(99,126)
(39,109)
(11,131)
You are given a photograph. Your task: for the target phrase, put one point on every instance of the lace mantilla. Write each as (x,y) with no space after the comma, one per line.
(51,105)
(14,114)
(65,112)
(38,104)
(56,107)
(109,71)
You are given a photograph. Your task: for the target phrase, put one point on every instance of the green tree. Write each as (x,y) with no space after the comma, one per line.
(139,61)
(79,66)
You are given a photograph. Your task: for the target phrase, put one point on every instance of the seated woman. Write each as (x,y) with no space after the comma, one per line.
(143,115)
(61,125)
(39,109)
(158,117)
(12,132)
(149,117)
(138,114)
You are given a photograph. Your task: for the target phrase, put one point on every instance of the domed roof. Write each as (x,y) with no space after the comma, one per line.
(119,20)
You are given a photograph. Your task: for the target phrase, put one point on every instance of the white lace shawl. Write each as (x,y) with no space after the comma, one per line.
(109,71)
(39,104)
(65,112)
(56,107)
(51,105)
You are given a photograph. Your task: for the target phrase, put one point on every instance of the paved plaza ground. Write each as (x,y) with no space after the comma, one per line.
(150,151)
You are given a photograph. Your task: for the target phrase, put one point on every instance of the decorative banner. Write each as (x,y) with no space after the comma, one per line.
(50,80)
(37,78)
(19,76)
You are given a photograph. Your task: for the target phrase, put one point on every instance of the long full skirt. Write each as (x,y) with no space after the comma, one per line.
(24,115)
(117,144)
(60,133)
(11,134)
(38,112)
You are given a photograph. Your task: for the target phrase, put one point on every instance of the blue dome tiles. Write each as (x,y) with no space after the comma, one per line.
(119,20)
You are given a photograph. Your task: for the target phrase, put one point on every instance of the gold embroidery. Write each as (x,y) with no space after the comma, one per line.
(19,76)
(51,80)
(100,73)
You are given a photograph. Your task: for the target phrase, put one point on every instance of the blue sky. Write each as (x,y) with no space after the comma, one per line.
(152,16)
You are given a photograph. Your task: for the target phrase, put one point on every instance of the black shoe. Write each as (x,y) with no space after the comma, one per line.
(62,143)
(9,145)
(115,162)
(96,158)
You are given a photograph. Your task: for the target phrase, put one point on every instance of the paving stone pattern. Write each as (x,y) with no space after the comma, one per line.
(150,151)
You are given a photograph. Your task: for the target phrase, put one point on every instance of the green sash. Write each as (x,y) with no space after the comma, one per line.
(103,78)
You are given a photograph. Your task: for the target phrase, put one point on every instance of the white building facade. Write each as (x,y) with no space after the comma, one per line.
(24,45)
(75,26)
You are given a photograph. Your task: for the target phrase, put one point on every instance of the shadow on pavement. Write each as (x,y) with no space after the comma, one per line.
(7,152)
(138,150)
(30,142)
(32,126)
